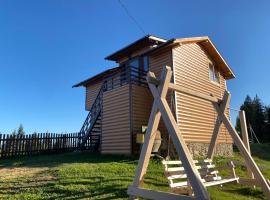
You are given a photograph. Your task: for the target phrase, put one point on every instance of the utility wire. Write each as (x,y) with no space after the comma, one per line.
(131,17)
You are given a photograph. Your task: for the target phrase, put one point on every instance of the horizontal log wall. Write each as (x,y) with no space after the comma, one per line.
(196,117)
(116,136)
(142,101)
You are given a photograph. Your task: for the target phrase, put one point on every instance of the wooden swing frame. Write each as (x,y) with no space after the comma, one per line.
(159,89)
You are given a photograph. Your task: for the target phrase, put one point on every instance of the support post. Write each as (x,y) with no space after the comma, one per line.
(243,150)
(244,132)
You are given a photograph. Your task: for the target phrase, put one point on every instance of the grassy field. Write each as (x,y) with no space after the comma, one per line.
(92,176)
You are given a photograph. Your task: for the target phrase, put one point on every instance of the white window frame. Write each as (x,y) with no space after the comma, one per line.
(215,76)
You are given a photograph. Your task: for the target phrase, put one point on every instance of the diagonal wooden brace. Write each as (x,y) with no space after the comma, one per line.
(179,143)
(151,132)
(223,107)
(243,150)
(161,107)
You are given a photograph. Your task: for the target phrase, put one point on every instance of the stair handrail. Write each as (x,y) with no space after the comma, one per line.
(128,75)
(94,110)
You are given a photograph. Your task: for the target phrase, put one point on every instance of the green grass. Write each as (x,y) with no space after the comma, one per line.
(93,176)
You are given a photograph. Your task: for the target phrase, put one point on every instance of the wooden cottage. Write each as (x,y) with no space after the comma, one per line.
(119,101)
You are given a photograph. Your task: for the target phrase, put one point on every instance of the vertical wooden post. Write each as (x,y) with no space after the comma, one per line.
(244,131)
(243,150)
(245,138)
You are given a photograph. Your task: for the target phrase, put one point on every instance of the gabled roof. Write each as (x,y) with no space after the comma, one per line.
(206,44)
(138,44)
(97,77)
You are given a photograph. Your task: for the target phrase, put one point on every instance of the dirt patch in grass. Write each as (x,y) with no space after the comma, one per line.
(18,172)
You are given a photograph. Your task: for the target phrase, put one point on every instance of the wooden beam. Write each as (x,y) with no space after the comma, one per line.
(245,138)
(151,131)
(184,90)
(193,93)
(224,105)
(243,150)
(151,194)
(165,81)
(147,145)
(244,130)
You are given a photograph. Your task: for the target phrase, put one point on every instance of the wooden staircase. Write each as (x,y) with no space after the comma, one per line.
(90,132)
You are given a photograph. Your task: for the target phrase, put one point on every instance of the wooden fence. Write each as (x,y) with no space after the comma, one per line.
(18,145)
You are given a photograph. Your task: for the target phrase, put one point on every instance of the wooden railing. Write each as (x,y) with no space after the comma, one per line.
(34,144)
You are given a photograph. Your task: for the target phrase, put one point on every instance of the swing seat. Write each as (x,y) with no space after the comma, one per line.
(177,178)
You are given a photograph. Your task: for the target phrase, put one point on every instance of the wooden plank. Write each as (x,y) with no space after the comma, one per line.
(151,194)
(245,138)
(193,93)
(147,145)
(175,162)
(220,182)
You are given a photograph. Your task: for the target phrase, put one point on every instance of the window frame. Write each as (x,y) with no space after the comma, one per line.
(215,78)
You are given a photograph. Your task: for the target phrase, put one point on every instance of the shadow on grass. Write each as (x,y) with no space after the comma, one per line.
(244,190)
(53,160)
(84,187)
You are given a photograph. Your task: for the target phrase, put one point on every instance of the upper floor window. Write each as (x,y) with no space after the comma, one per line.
(213,74)
(140,63)
(145,63)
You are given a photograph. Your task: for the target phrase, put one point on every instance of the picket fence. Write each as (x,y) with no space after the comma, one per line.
(19,145)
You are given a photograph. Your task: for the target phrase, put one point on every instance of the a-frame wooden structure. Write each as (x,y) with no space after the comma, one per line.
(159,89)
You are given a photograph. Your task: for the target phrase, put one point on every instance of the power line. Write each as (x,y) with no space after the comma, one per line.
(131,17)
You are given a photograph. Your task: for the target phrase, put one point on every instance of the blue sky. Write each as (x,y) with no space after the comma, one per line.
(47,46)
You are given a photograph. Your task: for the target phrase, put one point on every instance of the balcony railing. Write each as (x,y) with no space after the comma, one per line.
(125,75)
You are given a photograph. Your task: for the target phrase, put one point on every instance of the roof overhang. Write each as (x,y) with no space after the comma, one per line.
(137,45)
(97,77)
(206,44)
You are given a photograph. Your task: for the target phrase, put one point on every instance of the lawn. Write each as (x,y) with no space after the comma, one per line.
(92,176)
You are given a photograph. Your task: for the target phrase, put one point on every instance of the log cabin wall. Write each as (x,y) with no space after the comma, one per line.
(92,91)
(196,117)
(142,100)
(116,137)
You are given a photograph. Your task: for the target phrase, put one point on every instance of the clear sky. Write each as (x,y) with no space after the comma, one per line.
(47,46)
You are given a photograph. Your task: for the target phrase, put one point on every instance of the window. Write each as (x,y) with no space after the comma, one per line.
(213,74)
(145,63)
(140,63)
(135,63)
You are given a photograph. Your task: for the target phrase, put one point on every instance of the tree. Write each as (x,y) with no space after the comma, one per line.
(259,120)
(20,131)
(255,117)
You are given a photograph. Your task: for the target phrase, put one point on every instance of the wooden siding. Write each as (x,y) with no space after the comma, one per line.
(116,122)
(141,107)
(91,94)
(156,63)
(196,117)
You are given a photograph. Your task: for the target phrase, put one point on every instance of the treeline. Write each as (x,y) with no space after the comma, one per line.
(257,117)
